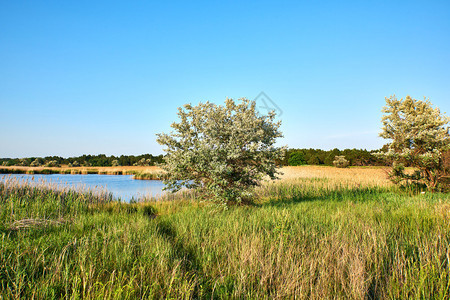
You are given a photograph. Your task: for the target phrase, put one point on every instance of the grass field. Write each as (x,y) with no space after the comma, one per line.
(318,233)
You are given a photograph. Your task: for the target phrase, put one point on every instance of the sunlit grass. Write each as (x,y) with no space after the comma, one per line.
(317,234)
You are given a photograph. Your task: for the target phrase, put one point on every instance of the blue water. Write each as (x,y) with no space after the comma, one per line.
(121,186)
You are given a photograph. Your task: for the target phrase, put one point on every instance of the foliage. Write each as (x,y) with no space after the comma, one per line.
(52,163)
(419,135)
(24,162)
(221,151)
(331,157)
(340,161)
(115,163)
(100,160)
(314,160)
(36,163)
(356,157)
(143,162)
(297,158)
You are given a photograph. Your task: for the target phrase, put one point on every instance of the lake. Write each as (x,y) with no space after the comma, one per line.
(121,186)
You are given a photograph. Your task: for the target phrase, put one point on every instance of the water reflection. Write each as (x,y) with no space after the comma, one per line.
(121,186)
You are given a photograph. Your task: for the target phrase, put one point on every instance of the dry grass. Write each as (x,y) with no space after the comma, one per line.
(350,177)
(33,223)
(373,175)
(355,173)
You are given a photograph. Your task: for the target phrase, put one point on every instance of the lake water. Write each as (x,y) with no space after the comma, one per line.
(121,186)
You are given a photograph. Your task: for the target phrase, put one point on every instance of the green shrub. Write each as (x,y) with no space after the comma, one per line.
(297,158)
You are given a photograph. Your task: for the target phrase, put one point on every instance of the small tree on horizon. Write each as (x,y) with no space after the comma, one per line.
(221,151)
(419,136)
(340,161)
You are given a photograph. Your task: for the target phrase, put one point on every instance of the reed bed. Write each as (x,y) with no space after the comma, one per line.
(148,175)
(321,236)
(141,173)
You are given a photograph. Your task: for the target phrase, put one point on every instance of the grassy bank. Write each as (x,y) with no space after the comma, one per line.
(142,173)
(316,236)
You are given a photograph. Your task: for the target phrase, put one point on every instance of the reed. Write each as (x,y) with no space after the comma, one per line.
(320,236)
(158,175)
(141,173)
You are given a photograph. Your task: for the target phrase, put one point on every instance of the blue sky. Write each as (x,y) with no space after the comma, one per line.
(91,77)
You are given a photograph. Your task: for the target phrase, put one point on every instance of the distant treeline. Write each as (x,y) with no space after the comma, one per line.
(356,157)
(100,160)
(294,157)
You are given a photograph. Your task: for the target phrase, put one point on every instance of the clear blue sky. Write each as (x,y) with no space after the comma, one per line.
(91,77)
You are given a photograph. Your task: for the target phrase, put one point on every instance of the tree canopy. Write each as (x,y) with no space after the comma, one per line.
(419,135)
(221,151)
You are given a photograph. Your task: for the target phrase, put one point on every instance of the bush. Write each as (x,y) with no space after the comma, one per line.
(221,151)
(340,161)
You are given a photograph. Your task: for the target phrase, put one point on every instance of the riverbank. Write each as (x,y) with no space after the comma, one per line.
(366,174)
(138,172)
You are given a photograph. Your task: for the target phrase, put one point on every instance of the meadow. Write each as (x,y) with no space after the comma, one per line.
(318,233)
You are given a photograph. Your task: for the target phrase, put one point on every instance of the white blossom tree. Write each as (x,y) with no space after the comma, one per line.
(221,151)
(340,161)
(419,136)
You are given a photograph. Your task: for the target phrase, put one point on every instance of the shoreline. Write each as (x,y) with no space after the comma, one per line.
(156,173)
(138,172)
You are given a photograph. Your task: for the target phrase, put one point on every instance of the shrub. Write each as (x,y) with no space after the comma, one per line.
(221,151)
(340,161)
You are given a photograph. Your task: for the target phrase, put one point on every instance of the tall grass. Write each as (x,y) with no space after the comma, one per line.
(310,238)
(143,173)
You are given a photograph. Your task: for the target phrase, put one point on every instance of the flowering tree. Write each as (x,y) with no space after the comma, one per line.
(340,161)
(419,136)
(221,151)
